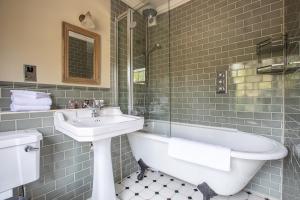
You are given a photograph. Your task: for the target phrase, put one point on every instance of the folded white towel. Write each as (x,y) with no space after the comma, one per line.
(30,94)
(213,156)
(16,108)
(20,100)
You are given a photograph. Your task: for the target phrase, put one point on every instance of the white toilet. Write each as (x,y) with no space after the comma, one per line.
(20,159)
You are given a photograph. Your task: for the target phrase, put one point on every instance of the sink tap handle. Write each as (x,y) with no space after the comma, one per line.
(88,103)
(99,103)
(85,103)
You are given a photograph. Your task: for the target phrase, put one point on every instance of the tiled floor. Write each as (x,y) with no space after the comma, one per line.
(159,186)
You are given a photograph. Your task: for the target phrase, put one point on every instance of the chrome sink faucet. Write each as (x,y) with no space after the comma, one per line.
(94,105)
(94,113)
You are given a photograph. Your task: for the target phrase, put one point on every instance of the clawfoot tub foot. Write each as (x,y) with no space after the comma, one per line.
(206,191)
(143,167)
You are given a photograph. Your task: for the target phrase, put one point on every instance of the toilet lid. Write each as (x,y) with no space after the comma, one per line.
(16,138)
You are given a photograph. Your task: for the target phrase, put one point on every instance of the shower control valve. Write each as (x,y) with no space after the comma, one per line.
(221,82)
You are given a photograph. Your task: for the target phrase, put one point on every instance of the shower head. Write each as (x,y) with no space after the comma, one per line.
(149,13)
(155,47)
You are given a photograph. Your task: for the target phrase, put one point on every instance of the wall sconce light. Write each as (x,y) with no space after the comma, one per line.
(86,20)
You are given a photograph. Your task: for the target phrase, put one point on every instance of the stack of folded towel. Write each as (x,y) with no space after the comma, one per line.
(23,100)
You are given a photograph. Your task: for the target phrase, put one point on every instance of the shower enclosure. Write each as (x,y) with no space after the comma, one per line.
(143,64)
(144,81)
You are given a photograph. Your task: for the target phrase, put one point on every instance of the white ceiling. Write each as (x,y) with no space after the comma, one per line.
(160,5)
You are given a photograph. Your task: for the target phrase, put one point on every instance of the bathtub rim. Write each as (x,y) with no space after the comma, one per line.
(278,151)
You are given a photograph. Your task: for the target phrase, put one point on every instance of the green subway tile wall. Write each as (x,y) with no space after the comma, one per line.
(205,37)
(291,170)
(60,94)
(210,36)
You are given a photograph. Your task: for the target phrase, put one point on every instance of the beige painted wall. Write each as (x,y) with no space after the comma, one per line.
(31,33)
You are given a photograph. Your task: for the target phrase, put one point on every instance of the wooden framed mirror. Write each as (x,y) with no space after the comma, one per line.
(81,55)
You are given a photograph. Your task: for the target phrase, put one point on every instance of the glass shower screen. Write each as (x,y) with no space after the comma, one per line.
(143,68)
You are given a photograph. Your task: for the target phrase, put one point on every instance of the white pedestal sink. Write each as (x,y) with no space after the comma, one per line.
(81,126)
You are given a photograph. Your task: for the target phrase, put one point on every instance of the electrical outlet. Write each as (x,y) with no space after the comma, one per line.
(30,73)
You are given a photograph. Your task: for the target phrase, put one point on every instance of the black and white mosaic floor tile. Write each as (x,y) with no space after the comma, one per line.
(159,186)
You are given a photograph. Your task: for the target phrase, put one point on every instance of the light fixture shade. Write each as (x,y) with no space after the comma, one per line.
(87,21)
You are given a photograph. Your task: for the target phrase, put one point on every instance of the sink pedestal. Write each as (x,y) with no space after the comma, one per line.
(82,127)
(103,182)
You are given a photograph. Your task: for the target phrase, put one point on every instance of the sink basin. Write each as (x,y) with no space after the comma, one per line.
(81,126)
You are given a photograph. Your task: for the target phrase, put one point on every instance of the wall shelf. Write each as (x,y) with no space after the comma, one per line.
(272,56)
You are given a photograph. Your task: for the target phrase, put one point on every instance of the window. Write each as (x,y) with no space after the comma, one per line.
(139,76)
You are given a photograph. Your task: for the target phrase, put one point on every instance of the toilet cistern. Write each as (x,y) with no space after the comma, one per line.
(20,159)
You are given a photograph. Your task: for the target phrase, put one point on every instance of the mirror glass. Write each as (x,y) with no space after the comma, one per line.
(81,55)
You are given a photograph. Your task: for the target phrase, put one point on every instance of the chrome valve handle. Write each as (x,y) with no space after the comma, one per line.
(30,148)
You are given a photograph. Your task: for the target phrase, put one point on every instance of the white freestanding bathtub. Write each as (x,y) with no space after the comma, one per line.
(248,154)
